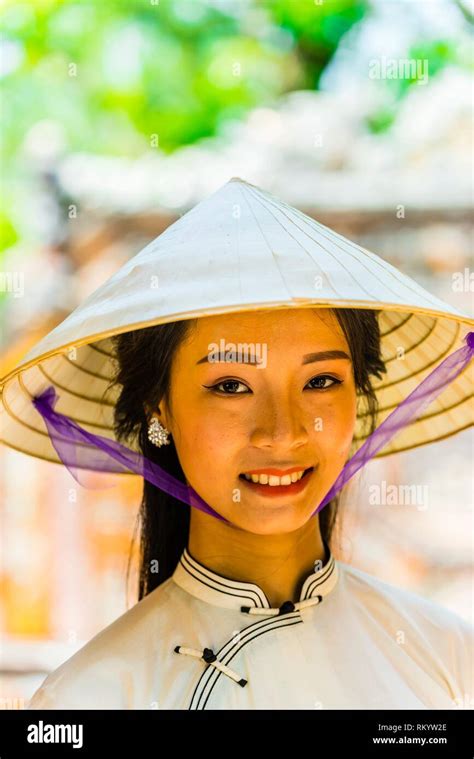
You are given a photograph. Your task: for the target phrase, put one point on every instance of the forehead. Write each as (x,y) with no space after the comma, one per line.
(286,327)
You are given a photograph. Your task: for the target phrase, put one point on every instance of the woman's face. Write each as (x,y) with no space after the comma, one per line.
(294,410)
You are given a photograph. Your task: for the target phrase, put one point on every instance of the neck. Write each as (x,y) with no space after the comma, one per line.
(279,564)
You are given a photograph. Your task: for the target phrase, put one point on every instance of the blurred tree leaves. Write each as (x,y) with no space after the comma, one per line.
(123,76)
(114,73)
(317,28)
(431,57)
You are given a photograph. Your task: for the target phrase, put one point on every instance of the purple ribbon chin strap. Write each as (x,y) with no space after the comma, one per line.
(79,449)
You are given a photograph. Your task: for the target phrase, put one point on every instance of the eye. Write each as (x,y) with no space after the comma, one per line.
(230,385)
(334,382)
(227,383)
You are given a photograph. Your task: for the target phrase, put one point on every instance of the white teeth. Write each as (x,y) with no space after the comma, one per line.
(272,480)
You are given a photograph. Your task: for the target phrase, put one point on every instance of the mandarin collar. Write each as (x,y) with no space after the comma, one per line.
(216,589)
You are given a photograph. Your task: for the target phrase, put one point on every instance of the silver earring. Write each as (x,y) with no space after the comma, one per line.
(157,434)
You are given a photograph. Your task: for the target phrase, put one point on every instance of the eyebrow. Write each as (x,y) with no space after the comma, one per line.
(309,358)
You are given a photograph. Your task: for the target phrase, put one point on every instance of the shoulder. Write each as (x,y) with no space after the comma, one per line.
(427,630)
(101,674)
(400,603)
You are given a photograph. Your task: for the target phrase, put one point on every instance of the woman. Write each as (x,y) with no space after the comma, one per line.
(251,610)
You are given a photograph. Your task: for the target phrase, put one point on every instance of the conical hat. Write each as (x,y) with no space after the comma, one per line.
(241,249)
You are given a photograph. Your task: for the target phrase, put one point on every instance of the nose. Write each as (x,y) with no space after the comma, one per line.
(278,423)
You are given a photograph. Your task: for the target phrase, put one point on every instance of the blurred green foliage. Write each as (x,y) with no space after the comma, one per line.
(114,73)
(435,54)
(121,77)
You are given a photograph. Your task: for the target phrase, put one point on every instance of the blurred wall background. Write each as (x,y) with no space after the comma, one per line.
(118,117)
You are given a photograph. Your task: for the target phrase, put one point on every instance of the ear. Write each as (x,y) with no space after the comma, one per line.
(154,412)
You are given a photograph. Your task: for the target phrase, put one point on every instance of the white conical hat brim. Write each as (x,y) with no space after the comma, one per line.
(241,249)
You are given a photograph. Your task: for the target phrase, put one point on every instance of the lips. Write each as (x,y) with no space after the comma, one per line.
(277,472)
(272,485)
(274,477)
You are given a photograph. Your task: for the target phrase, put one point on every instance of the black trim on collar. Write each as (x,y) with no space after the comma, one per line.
(218,590)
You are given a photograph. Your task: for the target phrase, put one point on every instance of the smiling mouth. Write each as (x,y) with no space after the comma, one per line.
(272,481)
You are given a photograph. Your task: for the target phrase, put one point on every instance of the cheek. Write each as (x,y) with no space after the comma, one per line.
(206,445)
(334,427)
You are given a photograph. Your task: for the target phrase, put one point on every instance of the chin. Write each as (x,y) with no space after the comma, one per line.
(269,520)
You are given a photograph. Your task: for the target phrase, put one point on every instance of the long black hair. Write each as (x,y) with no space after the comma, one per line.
(143,367)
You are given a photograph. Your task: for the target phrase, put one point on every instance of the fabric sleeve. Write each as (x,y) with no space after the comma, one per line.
(76,684)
